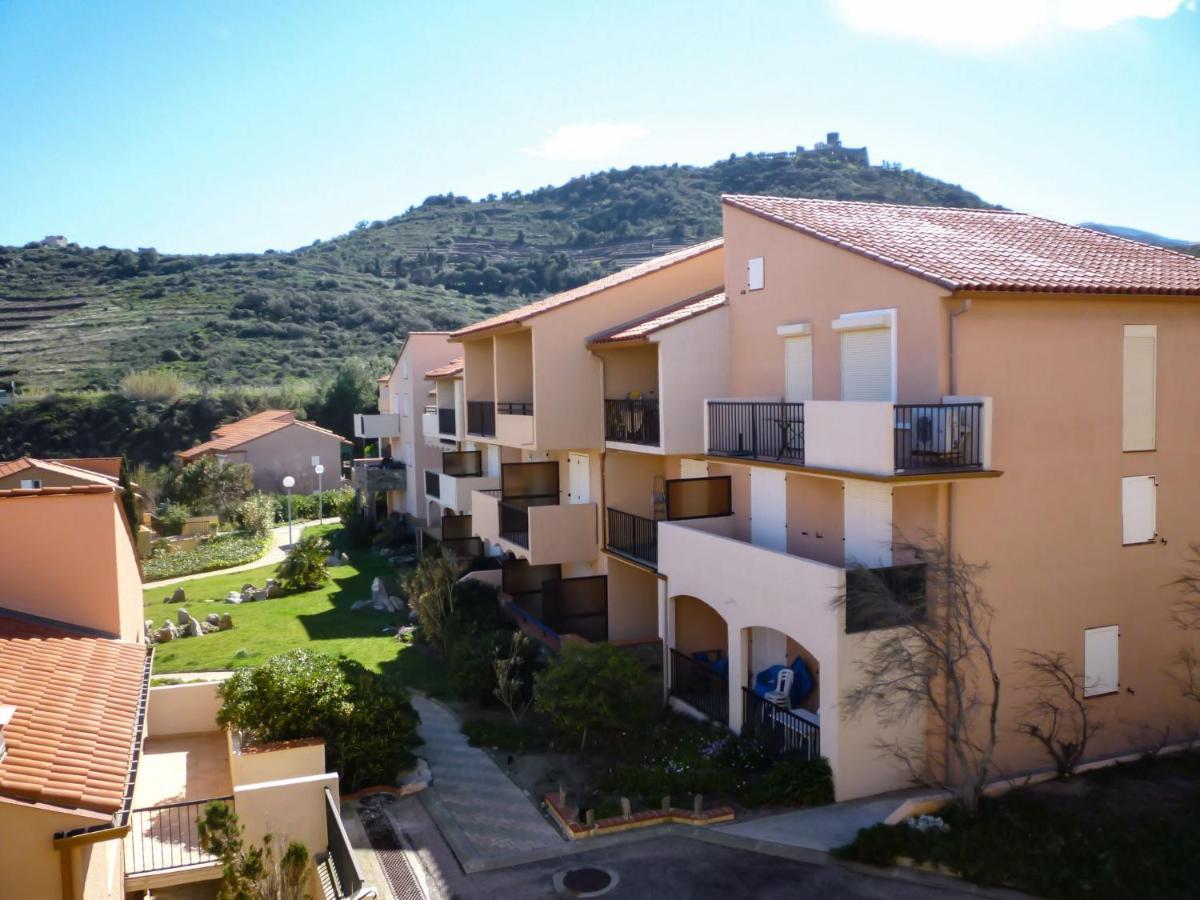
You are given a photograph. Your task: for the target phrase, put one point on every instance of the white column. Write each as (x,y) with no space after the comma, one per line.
(737,675)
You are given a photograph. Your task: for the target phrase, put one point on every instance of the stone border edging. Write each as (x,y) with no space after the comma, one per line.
(576,830)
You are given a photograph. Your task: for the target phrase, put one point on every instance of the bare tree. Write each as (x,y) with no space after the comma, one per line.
(1185,614)
(512,687)
(1057,716)
(932,655)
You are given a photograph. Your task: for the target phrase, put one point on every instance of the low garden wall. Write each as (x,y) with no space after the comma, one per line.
(277,761)
(182,709)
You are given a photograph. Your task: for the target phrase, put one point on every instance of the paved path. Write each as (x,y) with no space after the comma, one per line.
(481,812)
(274,556)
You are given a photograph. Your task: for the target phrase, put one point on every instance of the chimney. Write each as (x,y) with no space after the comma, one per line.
(6,714)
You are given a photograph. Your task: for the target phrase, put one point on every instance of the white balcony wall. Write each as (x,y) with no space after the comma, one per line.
(429,429)
(456,491)
(850,436)
(380,425)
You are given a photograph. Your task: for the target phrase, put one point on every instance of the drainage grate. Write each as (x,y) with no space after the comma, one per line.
(585,881)
(388,848)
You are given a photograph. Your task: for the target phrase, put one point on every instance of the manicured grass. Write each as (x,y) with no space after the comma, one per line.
(319,620)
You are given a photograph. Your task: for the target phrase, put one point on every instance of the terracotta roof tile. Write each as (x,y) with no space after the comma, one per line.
(520,314)
(639,328)
(77,702)
(985,249)
(58,491)
(227,437)
(454,367)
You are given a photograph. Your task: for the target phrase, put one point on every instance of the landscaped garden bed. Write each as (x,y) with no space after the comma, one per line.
(221,552)
(1124,831)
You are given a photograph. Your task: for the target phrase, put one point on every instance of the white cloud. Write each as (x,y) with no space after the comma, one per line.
(995,23)
(588,141)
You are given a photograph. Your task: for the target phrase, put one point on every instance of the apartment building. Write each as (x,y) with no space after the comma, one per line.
(707,449)
(388,482)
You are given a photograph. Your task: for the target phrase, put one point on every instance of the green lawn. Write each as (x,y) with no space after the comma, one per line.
(320,620)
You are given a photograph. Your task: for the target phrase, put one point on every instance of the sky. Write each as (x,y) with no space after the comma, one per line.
(230,126)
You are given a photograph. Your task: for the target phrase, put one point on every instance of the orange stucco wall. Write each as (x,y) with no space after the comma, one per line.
(70,558)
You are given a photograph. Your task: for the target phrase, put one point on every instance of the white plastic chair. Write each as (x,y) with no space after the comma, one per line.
(781,696)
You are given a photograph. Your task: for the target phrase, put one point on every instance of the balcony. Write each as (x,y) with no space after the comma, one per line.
(433,483)
(376,474)
(632,422)
(537,528)
(867,437)
(382,425)
(633,537)
(514,423)
(461,475)
(446,422)
(481,418)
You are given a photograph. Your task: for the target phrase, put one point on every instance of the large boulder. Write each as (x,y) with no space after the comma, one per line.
(212,619)
(163,635)
(233,597)
(193,629)
(179,596)
(182,616)
(225,623)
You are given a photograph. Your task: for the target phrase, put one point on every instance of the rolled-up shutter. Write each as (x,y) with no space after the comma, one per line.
(867,364)
(797,355)
(1137,398)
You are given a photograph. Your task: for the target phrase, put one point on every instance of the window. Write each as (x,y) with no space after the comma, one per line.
(797,362)
(1100,670)
(1139,495)
(404,369)
(31,484)
(1138,391)
(754,274)
(407,408)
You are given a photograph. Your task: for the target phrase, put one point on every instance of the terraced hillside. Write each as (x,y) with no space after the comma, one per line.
(74,317)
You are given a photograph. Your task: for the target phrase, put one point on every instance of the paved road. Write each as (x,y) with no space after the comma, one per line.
(274,556)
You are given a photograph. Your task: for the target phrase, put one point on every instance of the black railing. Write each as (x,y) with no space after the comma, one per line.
(777,730)
(166,837)
(348,876)
(514,517)
(481,418)
(433,483)
(757,430)
(633,536)
(700,686)
(446,421)
(937,437)
(631,421)
(515,408)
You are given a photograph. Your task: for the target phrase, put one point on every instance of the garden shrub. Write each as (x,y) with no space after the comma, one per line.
(256,514)
(308,506)
(171,521)
(304,568)
(431,595)
(593,689)
(357,528)
(472,664)
(393,532)
(209,486)
(792,782)
(216,553)
(366,720)
(477,607)
(505,736)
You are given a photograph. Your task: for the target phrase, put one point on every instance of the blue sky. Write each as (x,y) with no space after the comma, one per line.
(214,126)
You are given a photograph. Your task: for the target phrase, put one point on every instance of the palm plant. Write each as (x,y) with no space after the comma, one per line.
(304,569)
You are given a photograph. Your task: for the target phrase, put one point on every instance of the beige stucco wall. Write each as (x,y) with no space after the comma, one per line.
(70,557)
(630,367)
(809,280)
(291,810)
(276,762)
(182,709)
(514,367)
(694,364)
(30,866)
(629,481)
(289,451)
(815,517)
(632,602)
(1050,528)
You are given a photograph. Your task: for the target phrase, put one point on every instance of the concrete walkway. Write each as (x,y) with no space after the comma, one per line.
(274,556)
(822,827)
(481,813)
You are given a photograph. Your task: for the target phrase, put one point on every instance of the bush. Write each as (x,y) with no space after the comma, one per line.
(153,385)
(256,514)
(431,594)
(217,553)
(366,719)
(393,532)
(504,736)
(173,517)
(304,569)
(209,486)
(307,506)
(357,529)
(593,688)
(793,782)
(477,607)
(472,664)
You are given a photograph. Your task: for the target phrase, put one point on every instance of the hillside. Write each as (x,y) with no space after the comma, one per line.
(1146,237)
(73,317)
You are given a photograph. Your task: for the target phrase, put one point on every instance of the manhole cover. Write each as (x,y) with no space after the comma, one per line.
(586,881)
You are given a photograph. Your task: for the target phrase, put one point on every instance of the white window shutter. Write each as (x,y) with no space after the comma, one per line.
(1101,670)
(404,369)
(797,356)
(755,276)
(1139,513)
(867,364)
(1138,389)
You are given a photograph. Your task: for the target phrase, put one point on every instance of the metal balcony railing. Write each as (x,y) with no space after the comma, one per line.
(756,430)
(700,686)
(514,517)
(346,877)
(779,731)
(938,437)
(633,536)
(166,837)
(515,408)
(446,424)
(481,418)
(631,421)
(433,483)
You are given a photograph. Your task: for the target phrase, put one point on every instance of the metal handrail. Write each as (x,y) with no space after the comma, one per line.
(632,421)
(481,418)
(167,836)
(341,853)
(699,686)
(779,731)
(756,430)
(515,407)
(633,536)
(938,436)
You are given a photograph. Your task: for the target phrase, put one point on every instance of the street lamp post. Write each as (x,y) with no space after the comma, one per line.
(320,470)
(289,482)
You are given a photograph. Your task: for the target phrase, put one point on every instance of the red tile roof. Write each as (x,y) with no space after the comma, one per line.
(454,367)
(984,250)
(78,700)
(62,467)
(640,328)
(515,316)
(227,437)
